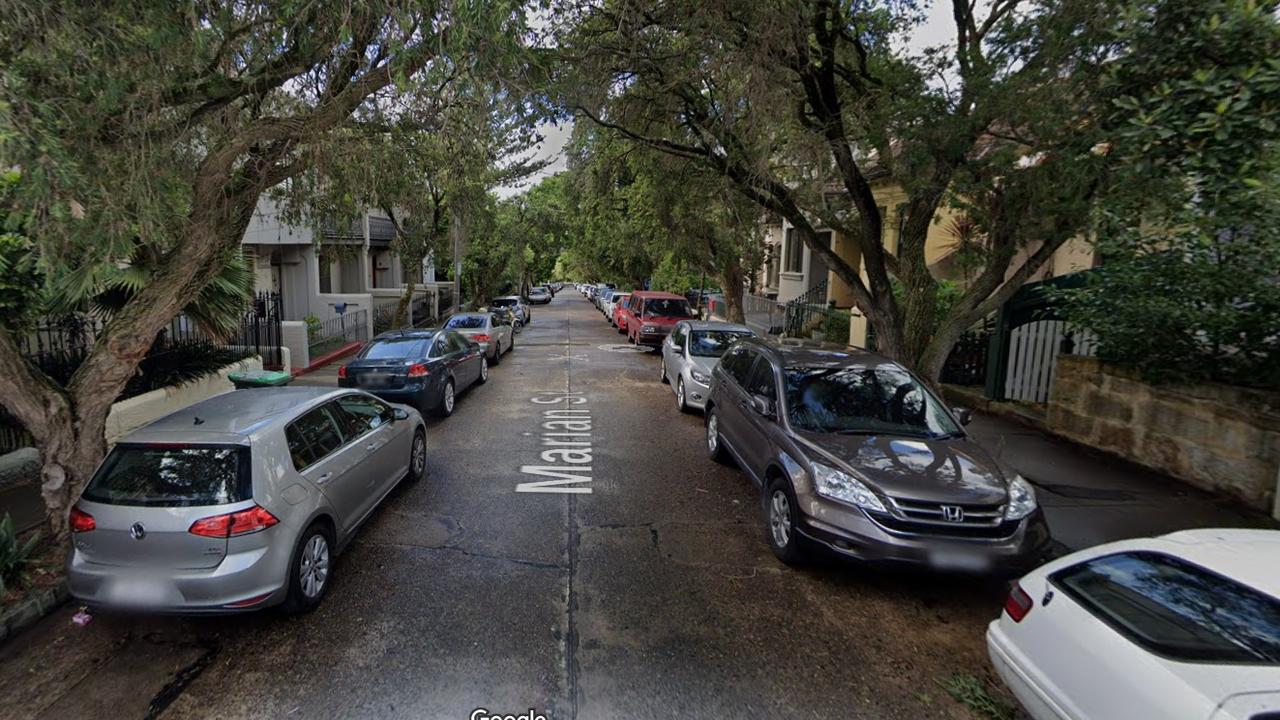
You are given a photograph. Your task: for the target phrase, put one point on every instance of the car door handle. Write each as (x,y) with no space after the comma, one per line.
(372,446)
(324,478)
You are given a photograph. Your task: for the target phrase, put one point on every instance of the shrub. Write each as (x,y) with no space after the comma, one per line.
(15,555)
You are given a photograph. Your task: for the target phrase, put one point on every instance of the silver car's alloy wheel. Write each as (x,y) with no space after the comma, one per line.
(680,401)
(780,519)
(448,397)
(484,369)
(418,456)
(663,378)
(713,434)
(313,571)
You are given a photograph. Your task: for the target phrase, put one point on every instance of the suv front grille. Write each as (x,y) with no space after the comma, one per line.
(973,521)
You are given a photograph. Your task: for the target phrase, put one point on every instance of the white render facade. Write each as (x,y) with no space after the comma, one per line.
(362,275)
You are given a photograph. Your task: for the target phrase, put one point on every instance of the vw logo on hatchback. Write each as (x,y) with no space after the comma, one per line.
(953,513)
(137,532)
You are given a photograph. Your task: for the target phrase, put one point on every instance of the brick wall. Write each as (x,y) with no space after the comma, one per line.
(1217,437)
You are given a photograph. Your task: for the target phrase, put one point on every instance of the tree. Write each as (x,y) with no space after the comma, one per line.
(422,163)
(801,104)
(161,124)
(1190,286)
(638,214)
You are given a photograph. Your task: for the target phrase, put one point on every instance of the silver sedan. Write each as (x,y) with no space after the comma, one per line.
(691,352)
(239,502)
(494,336)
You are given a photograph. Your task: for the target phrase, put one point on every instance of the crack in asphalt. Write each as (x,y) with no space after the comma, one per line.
(181,680)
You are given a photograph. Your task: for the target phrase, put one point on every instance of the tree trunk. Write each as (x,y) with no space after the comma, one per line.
(731,279)
(402,307)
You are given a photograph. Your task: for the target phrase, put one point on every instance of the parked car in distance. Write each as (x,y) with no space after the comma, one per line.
(507,317)
(1185,625)
(602,300)
(613,303)
(649,316)
(616,304)
(539,295)
(238,502)
(855,454)
(488,330)
(427,369)
(690,354)
(517,305)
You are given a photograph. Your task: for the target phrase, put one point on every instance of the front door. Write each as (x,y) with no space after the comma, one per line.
(757,428)
(369,422)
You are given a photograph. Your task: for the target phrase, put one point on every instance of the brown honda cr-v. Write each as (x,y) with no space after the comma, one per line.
(854,453)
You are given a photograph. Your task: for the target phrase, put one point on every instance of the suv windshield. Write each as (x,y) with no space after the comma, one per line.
(172,476)
(713,343)
(396,348)
(503,302)
(860,400)
(664,307)
(466,322)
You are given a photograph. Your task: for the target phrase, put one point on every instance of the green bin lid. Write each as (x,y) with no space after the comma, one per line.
(260,377)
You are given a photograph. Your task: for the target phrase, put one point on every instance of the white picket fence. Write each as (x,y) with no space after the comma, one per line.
(1033,355)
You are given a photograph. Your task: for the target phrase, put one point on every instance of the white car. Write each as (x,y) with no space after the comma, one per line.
(1185,625)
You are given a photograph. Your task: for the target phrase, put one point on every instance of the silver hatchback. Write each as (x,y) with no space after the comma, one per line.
(239,502)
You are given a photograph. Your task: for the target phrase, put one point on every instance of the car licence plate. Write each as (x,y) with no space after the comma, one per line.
(958,560)
(375,379)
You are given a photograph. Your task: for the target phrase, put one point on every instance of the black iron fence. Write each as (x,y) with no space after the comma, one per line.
(325,336)
(811,315)
(181,352)
(967,363)
(58,346)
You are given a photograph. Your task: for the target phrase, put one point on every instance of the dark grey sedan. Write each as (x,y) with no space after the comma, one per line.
(423,368)
(853,453)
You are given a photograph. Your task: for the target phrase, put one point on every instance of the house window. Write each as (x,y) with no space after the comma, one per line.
(793,255)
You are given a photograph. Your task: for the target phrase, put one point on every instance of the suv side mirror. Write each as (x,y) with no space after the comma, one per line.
(762,405)
(964,415)
(399,414)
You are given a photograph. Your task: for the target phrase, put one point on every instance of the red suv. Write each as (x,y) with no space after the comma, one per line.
(649,316)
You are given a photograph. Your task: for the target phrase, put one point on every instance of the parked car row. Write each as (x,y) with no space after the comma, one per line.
(855,455)
(241,501)
(646,317)
(851,452)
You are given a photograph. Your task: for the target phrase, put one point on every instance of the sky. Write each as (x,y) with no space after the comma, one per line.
(937,28)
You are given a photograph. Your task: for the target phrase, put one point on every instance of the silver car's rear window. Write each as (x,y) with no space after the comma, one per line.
(172,476)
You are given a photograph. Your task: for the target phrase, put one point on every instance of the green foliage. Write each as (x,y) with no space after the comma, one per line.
(676,274)
(835,327)
(947,294)
(15,555)
(314,327)
(974,694)
(1190,284)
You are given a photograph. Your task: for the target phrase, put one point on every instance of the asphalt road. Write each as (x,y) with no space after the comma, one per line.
(653,595)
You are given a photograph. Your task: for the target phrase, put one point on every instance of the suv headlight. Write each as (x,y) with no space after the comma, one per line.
(1022,499)
(839,485)
(699,377)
